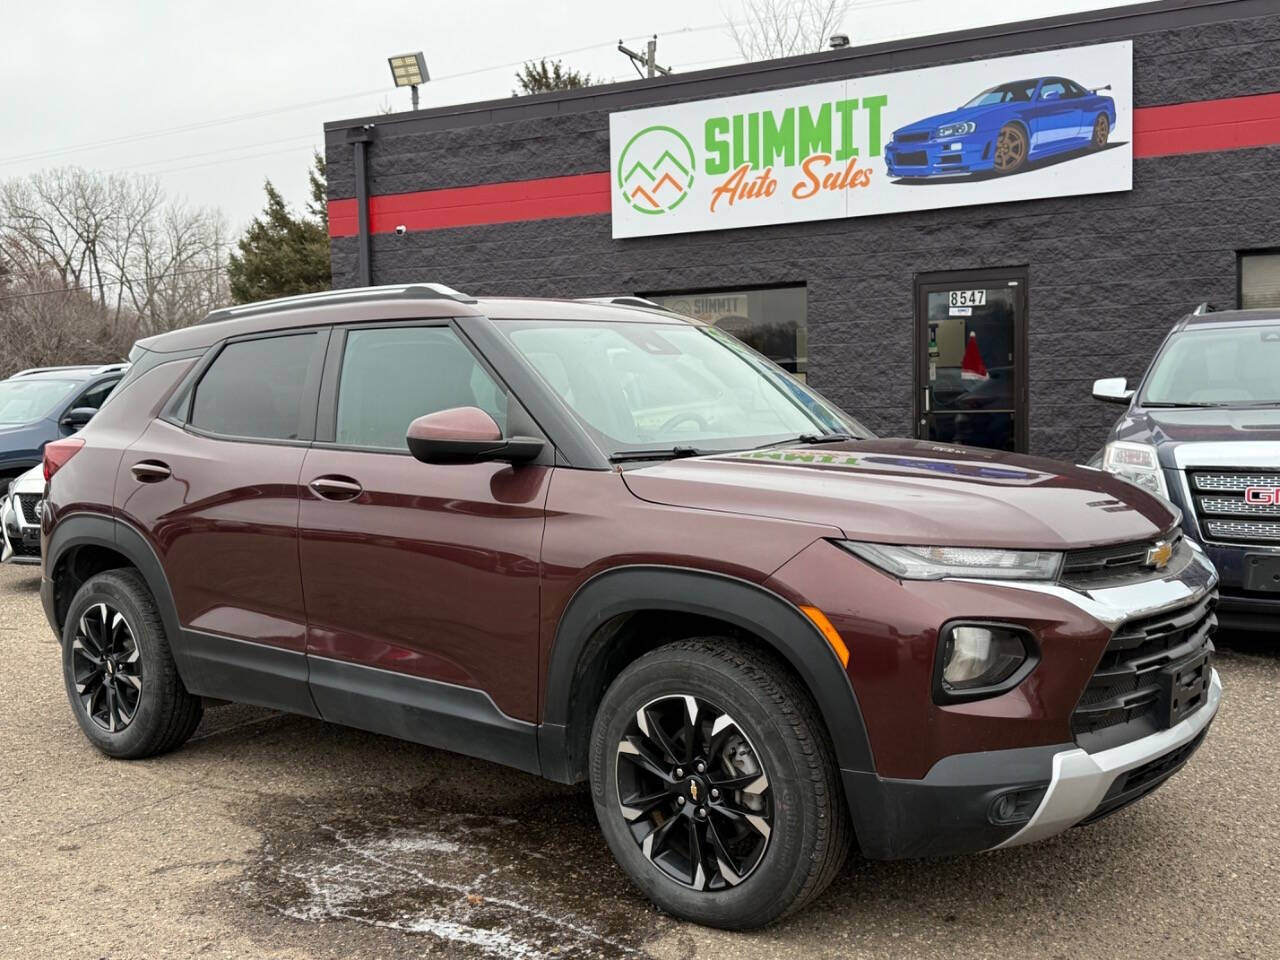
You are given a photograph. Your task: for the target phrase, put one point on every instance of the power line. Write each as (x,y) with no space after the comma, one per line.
(275,111)
(113,282)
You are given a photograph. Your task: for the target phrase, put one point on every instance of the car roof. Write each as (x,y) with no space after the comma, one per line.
(72,374)
(391,303)
(1224,318)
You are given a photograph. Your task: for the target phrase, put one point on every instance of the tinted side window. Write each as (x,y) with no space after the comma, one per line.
(260,388)
(390,377)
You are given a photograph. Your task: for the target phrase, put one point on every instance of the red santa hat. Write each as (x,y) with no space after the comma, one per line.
(972,367)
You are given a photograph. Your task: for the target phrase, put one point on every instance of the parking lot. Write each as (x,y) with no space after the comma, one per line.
(277,836)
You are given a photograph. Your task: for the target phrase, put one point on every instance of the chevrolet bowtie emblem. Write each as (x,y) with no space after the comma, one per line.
(693,790)
(1159,554)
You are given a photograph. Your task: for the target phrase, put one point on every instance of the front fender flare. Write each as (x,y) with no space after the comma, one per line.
(746,605)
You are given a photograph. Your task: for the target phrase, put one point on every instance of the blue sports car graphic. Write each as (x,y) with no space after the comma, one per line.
(1003,129)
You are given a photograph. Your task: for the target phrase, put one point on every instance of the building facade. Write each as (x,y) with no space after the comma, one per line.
(981,316)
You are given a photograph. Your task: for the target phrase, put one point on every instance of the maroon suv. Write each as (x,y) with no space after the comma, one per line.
(609,543)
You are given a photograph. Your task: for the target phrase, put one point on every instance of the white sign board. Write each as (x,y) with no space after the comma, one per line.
(1018,128)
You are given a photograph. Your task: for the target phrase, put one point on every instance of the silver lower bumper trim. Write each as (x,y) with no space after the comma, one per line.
(1080,780)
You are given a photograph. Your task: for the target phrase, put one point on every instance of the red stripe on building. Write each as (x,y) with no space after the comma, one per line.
(573,196)
(1207,126)
(1204,126)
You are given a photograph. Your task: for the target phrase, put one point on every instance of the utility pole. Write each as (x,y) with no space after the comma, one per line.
(649,59)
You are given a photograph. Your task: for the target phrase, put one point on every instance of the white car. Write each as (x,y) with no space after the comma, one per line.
(20,517)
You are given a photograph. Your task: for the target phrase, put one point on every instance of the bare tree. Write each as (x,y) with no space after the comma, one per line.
(89,263)
(770,29)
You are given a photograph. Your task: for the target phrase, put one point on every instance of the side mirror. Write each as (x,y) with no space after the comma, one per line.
(1112,390)
(77,417)
(466,435)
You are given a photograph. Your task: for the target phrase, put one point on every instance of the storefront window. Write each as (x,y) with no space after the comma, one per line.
(1259,280)
(771,321)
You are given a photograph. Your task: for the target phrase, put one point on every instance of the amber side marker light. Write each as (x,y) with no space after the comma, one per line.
(827,630)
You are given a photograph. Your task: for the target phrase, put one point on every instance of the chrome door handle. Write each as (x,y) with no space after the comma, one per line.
(150,471)
(336,488)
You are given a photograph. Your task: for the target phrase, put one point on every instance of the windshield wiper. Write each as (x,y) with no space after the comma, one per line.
(666,453)
(1167,405)
(808,439)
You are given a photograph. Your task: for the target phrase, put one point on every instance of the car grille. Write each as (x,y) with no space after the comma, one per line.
(1126,697)
(916,136)
(1113,566)
(29,502)
(1222,512)
(911,158)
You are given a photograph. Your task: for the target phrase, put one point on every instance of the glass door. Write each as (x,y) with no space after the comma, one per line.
(971,358)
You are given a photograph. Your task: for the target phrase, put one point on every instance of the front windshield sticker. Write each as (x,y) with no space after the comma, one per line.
(1048,124)
(882,463)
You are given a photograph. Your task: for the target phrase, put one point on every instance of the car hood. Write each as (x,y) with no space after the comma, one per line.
(1199,425)
(953,116)
(908,491)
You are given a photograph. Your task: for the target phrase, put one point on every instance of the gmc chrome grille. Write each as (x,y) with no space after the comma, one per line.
(1234,481)
(1223,502)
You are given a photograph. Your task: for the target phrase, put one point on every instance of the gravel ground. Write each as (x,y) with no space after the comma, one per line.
(271,836)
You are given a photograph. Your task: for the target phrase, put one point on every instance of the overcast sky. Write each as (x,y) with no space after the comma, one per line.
(211,97)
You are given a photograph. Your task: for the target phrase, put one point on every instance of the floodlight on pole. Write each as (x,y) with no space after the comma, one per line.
(409,70)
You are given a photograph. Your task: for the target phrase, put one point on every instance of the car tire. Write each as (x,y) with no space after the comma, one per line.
(119,672)
(766,756)
(1101,132)
(1011,149)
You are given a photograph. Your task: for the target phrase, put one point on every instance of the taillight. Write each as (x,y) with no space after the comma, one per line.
(58,452)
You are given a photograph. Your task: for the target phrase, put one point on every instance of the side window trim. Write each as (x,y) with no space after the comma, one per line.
(178,410)
(327,413)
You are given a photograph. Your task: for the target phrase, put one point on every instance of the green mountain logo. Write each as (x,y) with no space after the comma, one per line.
(655,170)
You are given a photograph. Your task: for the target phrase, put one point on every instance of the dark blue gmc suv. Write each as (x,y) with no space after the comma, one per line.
(1202,428)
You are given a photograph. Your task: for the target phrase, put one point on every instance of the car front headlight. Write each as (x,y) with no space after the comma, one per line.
(1137,463)
(937,563)
(957,129)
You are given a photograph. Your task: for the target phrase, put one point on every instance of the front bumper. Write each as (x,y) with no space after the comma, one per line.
(21,541)
(936,157)
(957,806)
(1086,786)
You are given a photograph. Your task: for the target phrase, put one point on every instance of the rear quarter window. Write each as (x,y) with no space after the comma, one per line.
(261,389)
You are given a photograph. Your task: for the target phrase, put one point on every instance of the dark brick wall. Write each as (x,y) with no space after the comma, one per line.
(1108,273)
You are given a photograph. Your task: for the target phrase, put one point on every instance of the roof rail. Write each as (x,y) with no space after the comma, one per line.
(32,370)
(1202,308)
(111,367)
(626,300)
(324,298)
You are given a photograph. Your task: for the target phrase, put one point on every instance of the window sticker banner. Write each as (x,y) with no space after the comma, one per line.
(1047,124)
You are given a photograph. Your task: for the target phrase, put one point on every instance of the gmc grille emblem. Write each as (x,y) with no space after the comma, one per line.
(1262,496)
(1159,554)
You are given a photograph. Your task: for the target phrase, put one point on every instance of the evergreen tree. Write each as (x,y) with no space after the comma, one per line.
(281,255)
(542,76)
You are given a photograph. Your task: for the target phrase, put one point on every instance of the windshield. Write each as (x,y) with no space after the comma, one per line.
(1005,93)
(25,401)
(654,386)
(1231,366)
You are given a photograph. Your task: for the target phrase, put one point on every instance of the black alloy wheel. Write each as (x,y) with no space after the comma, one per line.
(694,792)
(107,666)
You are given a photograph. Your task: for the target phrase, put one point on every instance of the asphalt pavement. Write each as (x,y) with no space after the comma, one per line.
(273,836)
